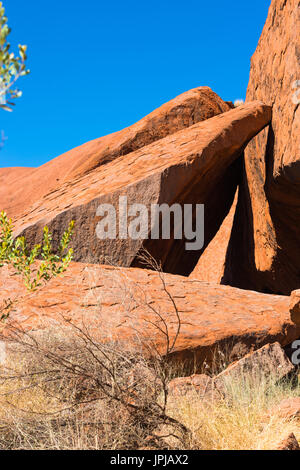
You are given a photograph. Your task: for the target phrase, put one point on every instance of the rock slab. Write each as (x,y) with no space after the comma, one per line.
(264,250)
(131,303)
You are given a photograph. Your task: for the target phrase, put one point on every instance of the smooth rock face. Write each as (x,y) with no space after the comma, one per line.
(8,177)
(20,188)
(264,249)
(211,264)
(269,361)
(197,165)
(126,303)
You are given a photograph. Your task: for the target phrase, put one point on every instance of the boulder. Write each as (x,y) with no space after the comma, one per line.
(132,304)
(295,306)
(20,188)
(200,384)
(197,165)
(264,250)
(270,362)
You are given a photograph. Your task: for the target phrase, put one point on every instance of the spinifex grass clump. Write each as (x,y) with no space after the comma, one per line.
(14,252)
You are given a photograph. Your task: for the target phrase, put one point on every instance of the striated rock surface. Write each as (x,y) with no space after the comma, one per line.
(20,188)
(264,249)
(199,164)
(131,303)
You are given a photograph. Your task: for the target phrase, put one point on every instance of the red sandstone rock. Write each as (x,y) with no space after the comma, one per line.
(118,302)
(289,408)
(194,165)
(290,443)
(264,249)
(201,384)
(295,306)
(270,361)
(8,176)
(20,188)
(211,264)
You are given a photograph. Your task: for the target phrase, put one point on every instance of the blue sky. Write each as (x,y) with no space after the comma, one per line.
(97,66)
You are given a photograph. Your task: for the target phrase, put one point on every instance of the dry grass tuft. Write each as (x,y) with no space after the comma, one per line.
(241,421)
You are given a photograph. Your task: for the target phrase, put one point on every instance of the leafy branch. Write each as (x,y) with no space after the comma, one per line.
(12,66)
(14,252)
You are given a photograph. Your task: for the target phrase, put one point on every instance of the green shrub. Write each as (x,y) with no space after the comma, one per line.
(14,252)
(12,66)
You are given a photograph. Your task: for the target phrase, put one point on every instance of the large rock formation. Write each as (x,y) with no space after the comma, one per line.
(264,249)
(193,166)
(131,304)
(20,188)
(8,176)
